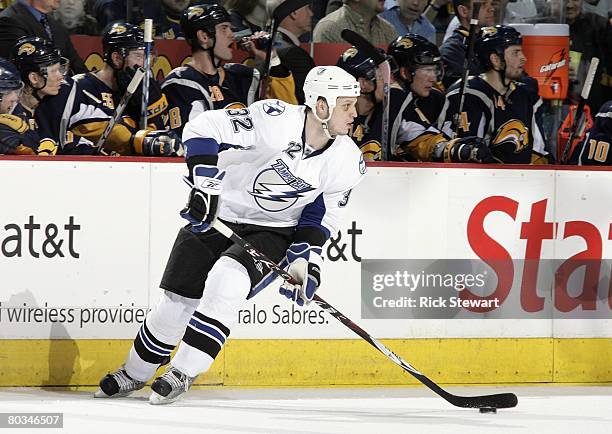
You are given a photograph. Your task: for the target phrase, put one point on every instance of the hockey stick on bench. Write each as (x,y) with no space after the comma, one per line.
(131,88)
(501,400)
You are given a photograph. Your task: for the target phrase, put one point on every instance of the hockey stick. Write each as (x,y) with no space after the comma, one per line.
(469,55)
(281,11)
(380,60)
(501,400)
(120,108)
(148,40)
(577,127)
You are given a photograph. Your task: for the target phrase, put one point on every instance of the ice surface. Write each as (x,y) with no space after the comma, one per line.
(546,409)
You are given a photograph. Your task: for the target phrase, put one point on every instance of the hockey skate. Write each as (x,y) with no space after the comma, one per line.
(118,384)
(170,386)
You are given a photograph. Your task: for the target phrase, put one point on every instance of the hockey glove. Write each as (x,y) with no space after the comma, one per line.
(159,143)
(470,149)
(304,264)
(201,208)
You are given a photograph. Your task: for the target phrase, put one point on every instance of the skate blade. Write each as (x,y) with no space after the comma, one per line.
(100,394)
(157,399)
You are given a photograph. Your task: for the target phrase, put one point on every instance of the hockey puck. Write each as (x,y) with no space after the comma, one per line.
(488,410)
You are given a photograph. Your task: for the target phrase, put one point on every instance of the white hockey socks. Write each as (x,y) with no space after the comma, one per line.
(159,334)
(226,289)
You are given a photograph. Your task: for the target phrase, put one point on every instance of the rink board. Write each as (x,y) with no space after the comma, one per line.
(78,302)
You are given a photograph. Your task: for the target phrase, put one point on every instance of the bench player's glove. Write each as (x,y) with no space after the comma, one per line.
(160,143)
(201,208)
(304,264)
(470,149)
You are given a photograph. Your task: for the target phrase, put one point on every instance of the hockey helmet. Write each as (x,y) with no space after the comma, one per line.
(10,78)
(413,51)
(121,37)
(603,119)
(329,82)
(202,17)
(34,54)
(357,64)
(495,39)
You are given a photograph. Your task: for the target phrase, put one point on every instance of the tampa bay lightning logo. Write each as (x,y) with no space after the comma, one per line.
(274,108)
(276,188)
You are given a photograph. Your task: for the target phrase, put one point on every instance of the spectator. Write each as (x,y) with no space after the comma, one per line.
(332,6)
(33,18)
(71,14)
(292,56)
(163,12)
(599,7)
(453,49)
(455,23)
(587,34)
(359,16)
(246,14)
(407,17)
(169,26)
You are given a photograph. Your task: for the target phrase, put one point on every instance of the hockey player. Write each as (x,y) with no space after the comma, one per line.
(367,126)
(418,68)
(38,73)
(78,116)
(497,107)
(595,150)
(204,83)
(12,127)
(286,173)
(414,105)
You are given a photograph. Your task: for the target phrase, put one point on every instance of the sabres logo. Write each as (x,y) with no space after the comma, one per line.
(487,32)
(350,53)
(194,12)
(405,42)
(26,48)
(514,134)
(118,29)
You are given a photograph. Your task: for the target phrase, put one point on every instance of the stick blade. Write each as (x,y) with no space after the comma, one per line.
(500,400)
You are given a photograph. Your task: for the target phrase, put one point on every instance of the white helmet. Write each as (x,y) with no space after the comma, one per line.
(329,82)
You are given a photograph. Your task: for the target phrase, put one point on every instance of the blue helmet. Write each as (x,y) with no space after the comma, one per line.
(10,79)
(358,64)
(495,39)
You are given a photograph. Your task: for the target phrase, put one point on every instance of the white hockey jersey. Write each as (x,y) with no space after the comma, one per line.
(271,179)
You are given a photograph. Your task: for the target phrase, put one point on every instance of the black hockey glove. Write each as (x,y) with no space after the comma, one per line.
(124,77)
(201,208)
(470,149)
(158,143)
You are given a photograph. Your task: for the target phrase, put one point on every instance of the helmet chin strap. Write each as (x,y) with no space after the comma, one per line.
(324,123)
